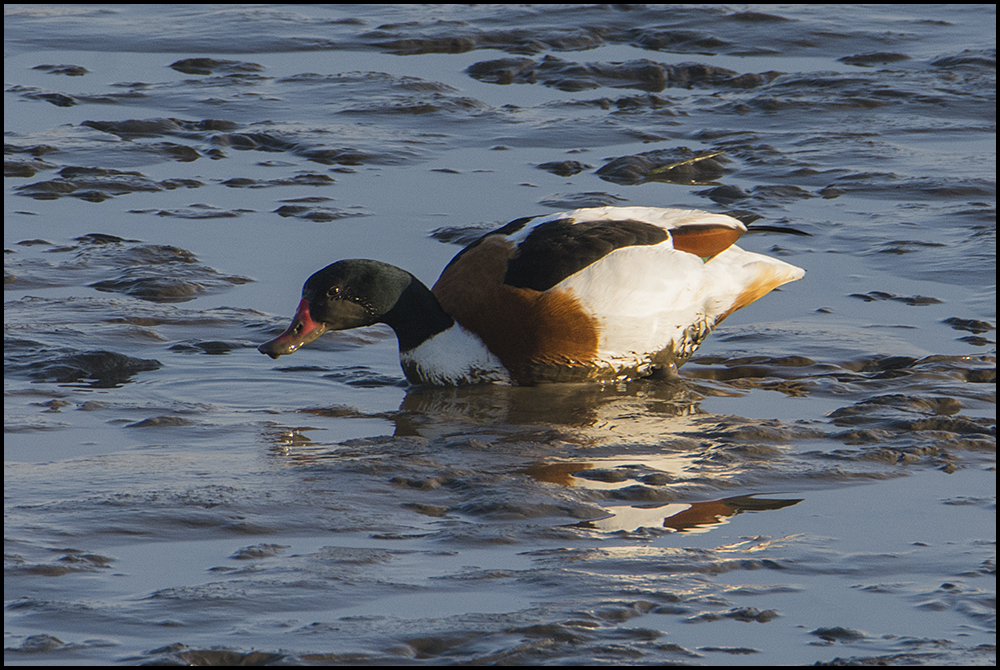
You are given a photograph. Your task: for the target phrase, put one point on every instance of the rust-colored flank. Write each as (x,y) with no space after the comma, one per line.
(523,327)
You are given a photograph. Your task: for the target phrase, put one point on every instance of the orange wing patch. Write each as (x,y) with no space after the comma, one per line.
(704,241)
(523,327)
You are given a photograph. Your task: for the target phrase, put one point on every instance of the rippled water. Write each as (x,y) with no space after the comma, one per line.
(820,486)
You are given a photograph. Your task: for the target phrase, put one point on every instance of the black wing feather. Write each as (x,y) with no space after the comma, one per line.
(557,249)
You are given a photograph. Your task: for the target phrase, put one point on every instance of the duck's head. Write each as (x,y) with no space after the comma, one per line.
(346,294)
(356,293)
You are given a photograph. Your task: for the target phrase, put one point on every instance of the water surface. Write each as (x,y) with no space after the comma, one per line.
(821,484)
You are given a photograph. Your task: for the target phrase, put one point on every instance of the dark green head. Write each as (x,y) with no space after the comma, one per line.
(355,293)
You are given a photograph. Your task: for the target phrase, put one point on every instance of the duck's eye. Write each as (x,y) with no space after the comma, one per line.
(333,292)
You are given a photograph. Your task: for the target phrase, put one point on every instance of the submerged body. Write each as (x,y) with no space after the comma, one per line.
(593,294)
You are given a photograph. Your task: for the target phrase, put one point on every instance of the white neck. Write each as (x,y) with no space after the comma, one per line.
(453,356)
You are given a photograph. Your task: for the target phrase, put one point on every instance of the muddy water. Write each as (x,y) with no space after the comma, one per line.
(820,486)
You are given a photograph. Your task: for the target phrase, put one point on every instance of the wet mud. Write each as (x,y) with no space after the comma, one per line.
(818,486)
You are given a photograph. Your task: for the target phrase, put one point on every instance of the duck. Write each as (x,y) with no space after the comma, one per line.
(602,294)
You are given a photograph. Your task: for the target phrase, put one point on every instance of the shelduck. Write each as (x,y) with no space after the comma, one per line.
(606,293)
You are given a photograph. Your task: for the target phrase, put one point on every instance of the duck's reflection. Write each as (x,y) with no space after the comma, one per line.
(633,408)
(696,517)
(630,442)
(680,517)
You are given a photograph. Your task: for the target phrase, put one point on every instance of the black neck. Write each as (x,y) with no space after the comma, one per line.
(417,316)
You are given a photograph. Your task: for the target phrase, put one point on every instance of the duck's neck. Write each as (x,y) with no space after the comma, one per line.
(417,316)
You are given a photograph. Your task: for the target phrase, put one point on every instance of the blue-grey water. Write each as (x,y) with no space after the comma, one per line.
(820,486)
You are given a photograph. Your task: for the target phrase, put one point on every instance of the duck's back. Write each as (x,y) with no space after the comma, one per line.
(604,292)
